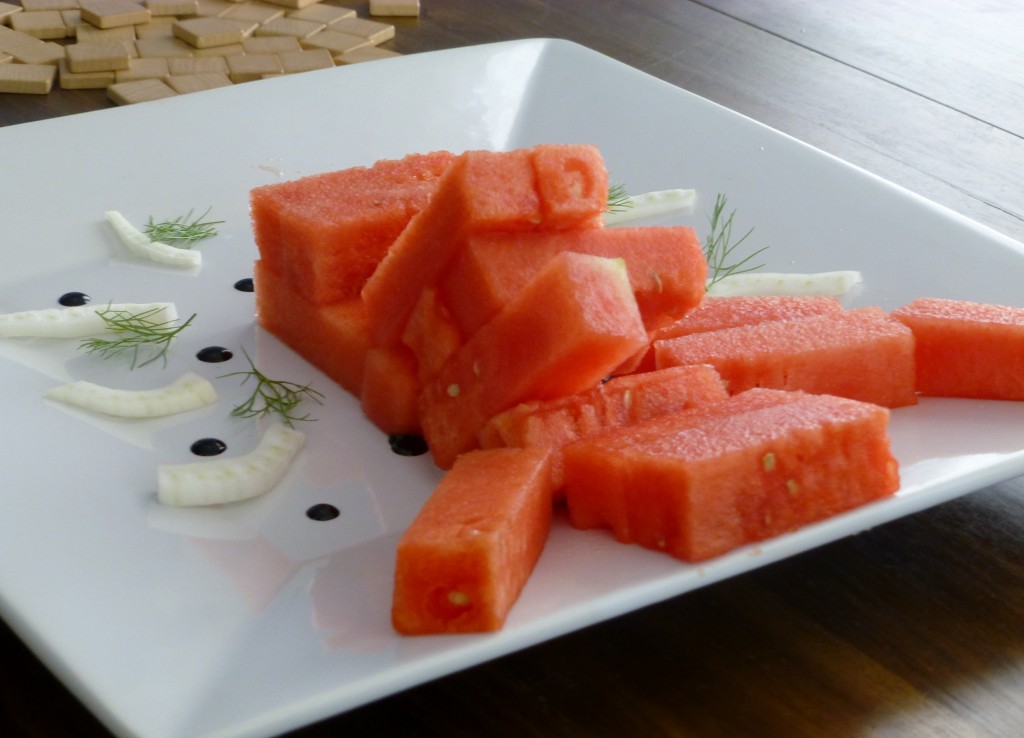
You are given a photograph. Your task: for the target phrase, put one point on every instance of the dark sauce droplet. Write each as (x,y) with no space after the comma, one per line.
(245,285)
(406,444)
(73,299)
(322,511)
(208,447)
(214,354)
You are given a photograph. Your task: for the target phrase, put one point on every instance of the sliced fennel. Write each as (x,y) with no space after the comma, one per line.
(648,204)
(188,392)
(76,322)
(785,283)
(223,480)
(141,245)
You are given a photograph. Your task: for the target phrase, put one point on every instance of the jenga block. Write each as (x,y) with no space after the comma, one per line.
(184,83)
(44,53)
(43,24)
(196,65)
(395,7)
(321,13)
(143,90)
(114,13)
(165,47)
(271,44)
(364,54)
(289,27)
(250,67)
(87,33)
(27,79)
(201,33)
(69,80)
(152,67)
(5,58)
(163,8)
(256,12)
(374,31)
(305,60)
(97,57)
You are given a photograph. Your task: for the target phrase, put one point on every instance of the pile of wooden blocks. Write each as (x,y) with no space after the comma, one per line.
(142,50)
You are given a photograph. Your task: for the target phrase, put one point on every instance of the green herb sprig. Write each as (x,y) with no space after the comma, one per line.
(183,231)
(273,396)
(719,245)
(618,199)
(136,334)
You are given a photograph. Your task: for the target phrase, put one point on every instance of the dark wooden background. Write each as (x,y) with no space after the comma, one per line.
(913,629)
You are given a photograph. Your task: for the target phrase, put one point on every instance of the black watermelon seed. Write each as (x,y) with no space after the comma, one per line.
(208,447)
(322,511)
(73,299)
(407,444)
(245,285)
(214,354)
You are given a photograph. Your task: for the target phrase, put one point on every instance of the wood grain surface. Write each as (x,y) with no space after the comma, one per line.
(913,629)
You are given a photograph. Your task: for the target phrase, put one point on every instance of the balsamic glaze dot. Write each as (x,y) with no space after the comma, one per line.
(322,511)
(214,354)
(407,444)
(245,285)
(73,299)
(208,447)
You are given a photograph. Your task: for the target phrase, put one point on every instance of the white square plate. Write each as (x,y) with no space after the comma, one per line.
(254,619)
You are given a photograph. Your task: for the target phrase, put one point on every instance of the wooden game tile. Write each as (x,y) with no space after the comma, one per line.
(294,4)
(271,44)
(364,54)
(159,27)
(197,65)
(335,41)
(72,20)
(69,80)
(184,83)
(250,67)
(201,33)
(11,39)
(27,79)
(256,12)
(151,67)
(33,5)
(7,10)
(221,51)
(142,90)
(395,7)
(97,57)
(162,8)
(321,13)
(165,47)
(375,31)
(289,27)
(87,33)
(114,13)
(213,8)
(306,60)
(47,52)
(43,24)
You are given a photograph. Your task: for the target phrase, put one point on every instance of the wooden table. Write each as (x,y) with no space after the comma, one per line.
(912,629)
